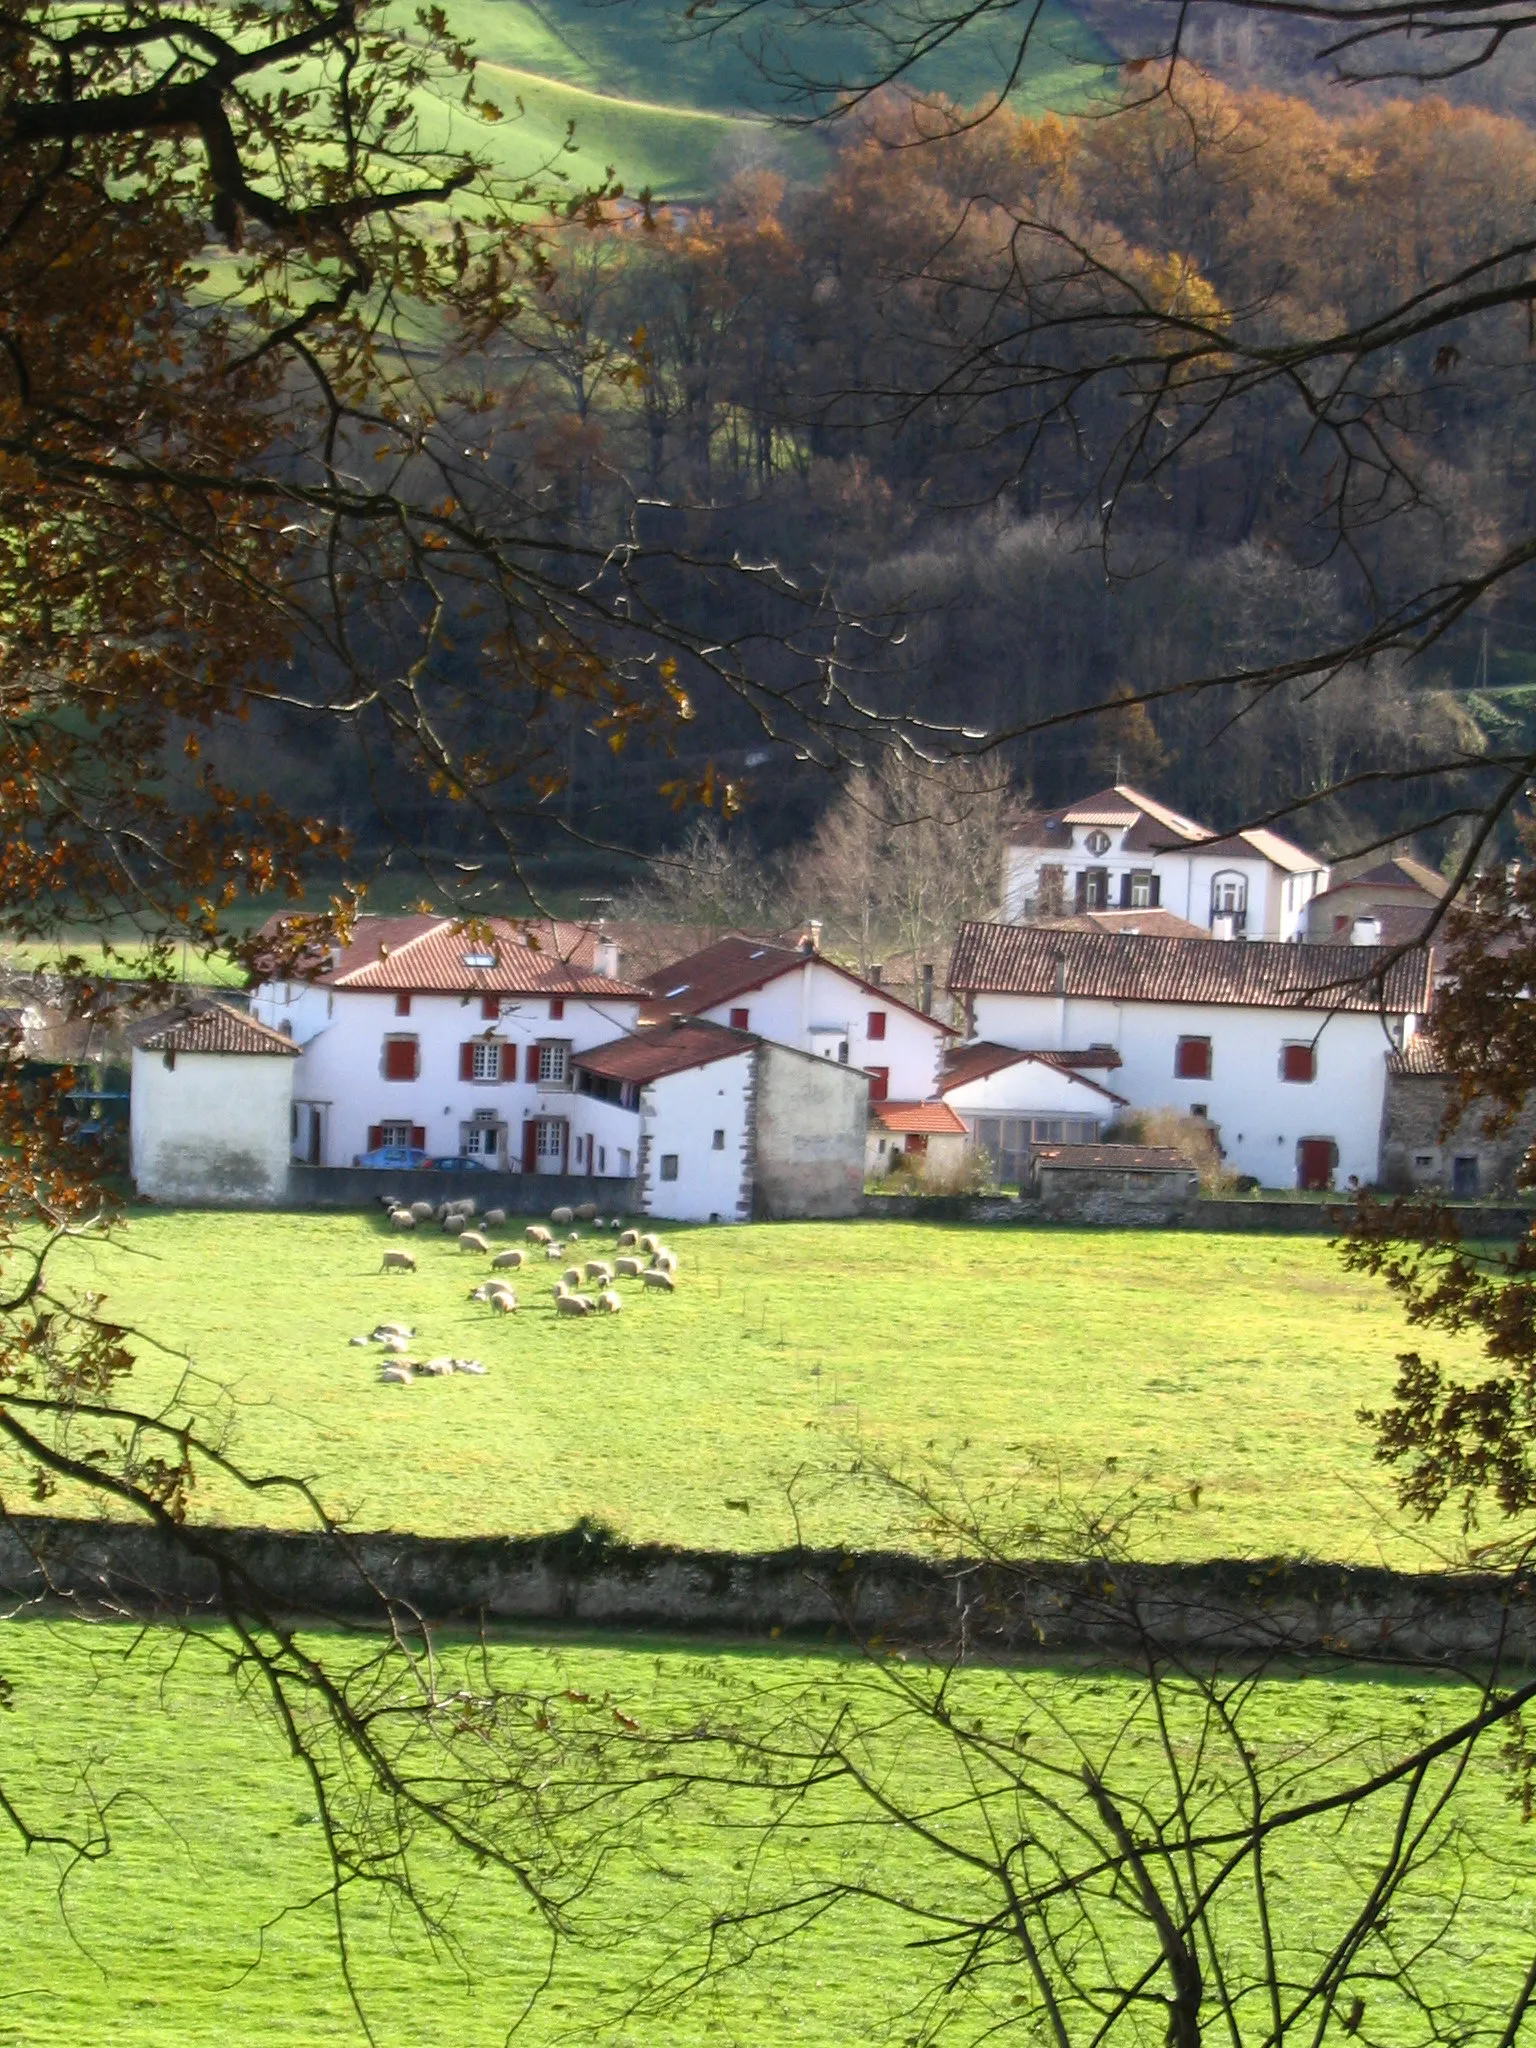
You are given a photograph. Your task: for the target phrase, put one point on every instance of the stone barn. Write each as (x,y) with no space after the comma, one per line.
(1113,1183)
(211,1109)
(1417,1156)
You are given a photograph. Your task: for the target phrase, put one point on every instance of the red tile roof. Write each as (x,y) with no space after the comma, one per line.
(735,966)
(1419,1056)
(658,1049)
(1155,828)
(1115,1158)
(1399,873)
(1156,924)
(934,1119)
(213,1028)
(966,1063)
(427,955)
(1001,959)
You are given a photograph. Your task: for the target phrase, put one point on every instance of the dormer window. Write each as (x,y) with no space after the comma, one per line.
(479,959)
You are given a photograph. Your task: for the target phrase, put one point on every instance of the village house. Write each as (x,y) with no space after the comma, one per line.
(927,1136)
(1419,1155)
(1120,850)
(453,1042)
(210,1107)
(1388,904)
(1282,1048)
(796,997)
(724,1124)
(1010,1100)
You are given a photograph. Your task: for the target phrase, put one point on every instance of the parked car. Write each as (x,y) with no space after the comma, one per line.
(458,1162)
(393,1155)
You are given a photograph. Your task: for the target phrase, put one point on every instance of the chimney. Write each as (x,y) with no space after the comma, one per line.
(876,972)
(605,956)
(1224,925)
(1365,931)
(926,1004)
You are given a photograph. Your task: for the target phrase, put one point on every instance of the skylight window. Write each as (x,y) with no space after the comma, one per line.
(671,992)
(758,954)
(479,959)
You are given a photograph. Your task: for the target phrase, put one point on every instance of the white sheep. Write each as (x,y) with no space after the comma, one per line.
(401,1219)
(421,1211)
(503,1301)
(360,1343)
(649,1244)
(554,1251)
(398,1262)
(437,1368)
(664,1280)
(665,1262)
(572,1305)
(472,1241)
(471,1365)
(599,1269)
(609,1303)
(381,1330)
(585,1212)
(537,1234)
(394,1343)
(628,1269)
(628,1238)
(573,1276)
(562,1215)
(395,1374)
(494,1218)
(505,1260)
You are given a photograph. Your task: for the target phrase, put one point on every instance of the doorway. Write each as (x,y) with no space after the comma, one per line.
(1464,1177)
(1314,1162)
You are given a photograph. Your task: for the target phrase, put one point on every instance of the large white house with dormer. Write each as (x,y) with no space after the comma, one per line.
(1119,850)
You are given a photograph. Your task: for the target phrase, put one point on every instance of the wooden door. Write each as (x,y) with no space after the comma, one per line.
(1314,1162)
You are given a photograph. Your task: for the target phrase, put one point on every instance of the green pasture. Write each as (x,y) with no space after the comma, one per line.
(206,1925)
(1212,1381)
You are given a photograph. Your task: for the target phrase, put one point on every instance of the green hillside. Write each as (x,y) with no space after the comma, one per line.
(678,111)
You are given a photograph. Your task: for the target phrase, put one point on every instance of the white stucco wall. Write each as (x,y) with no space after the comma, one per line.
(1032,1089)
(813,1006)
(680,1115)
(1261,1118)
(210,1127)
(1277,900)
(342,1034)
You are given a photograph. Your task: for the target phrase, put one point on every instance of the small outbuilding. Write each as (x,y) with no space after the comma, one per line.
(211,1108)
(928,1136)
(1420,1155)
(1112,1183)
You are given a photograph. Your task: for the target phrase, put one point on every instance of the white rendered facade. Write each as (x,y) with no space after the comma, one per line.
(1029,1103)
(210,1127)
(695,1127)
(1262,1118)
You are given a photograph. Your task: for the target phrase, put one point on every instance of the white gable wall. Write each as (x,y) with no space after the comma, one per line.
(1031,1088)
(210,1127)
(1276,900)
(679,1116)
(1260,1116)
(814,1007)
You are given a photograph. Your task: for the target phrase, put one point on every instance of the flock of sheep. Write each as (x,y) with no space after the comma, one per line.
(637,1256)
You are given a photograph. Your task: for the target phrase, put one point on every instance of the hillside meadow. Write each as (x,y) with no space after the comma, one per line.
(1207,1383)
(206,1925)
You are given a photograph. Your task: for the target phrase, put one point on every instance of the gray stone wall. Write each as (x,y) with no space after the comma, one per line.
(1107,1196)
(520,1194)
(1416,1158)
(810,1120)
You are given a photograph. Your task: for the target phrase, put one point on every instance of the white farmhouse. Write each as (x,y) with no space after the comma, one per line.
(459,1042)
(1283,1048)
(726,1125)
(795,997)
(1010,1100)
(209,1108)
(1120,850)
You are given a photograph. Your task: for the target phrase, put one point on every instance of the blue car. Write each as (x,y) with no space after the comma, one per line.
(392,1155)
(458,1162)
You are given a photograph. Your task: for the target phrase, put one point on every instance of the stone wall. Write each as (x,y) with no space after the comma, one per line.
(1491,1221)
(1114,1198)
(581,1578)
(809,1124)
(1416,1158)
(520,1194)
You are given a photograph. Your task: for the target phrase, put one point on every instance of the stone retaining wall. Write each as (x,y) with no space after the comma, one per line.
(1323,1219)
(583,1578)
(520,1194)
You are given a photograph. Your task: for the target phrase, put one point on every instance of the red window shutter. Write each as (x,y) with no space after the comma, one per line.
(490,1008)
(557,1006)
(375,1137)
(877,1024)
(1296,1063)
(509,1063)
(1192,1059)
(399,1059)
(530,1146)
(879,1083)
(402,1004)
(739,1020)
(533,1063)
(466,1063)
(419,1137)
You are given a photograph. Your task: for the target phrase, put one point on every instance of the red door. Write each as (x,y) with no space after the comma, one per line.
(1314,1162)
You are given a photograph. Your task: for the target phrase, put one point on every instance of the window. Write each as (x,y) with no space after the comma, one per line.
(719,1144)
(1199,1109)
(626,1163)
(551,1138)
(556,1007)
(1298,1063)
(876,1027)
(739,1020)
(669,1166)
(482,1140)
(1097,843)
(1192,1059)
(1093,889)
(602,1158)
(1140,891)
(394,1134)
(879,1083)
(490,1008)
(1229,898)
(554,1063)
(1423,1159)
(400,1059)
(485,1060)
(403,1004)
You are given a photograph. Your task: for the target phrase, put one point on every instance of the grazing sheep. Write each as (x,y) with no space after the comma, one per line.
(562,1215)
(655,1279)
(398,1262)
(472,1241)
(628,1238)
(395,1374)
(479,1293)
(585,1212)
(554,1251)
(628,1269)
(360,1343)
(573,1276)
(571,1236)
(392,1330)
(395,1344)
(503,1260)
(421,1211)
(401,1219)
(599,1269)
(665,1262)
(649,1244)
(472,1365)
(503,1301)
(572,1305)
(537,1234)
(465,1204)
(558,1290)
(609,1303)
(494,1218)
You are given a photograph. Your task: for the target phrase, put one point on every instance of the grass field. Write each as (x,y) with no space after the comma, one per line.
(199,1928)
(1217,1376)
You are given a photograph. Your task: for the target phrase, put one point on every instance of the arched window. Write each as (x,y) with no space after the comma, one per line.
(1229,897)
